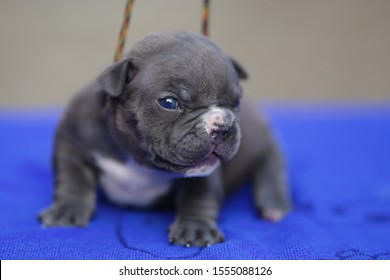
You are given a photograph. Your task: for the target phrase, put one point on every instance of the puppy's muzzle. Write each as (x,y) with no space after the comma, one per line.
(215,137)
(217,123)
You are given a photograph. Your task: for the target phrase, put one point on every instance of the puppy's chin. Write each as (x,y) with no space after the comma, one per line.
(203,168)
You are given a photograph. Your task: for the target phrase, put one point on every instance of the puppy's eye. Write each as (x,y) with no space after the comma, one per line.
(169,103)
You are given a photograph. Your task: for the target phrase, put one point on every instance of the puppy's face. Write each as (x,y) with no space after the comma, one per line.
(174,104)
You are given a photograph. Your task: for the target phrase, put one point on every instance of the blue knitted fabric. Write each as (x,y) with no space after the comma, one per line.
(338,160)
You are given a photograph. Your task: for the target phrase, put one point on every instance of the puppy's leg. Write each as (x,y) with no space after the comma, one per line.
(270,190)
(75,195)
(197,212)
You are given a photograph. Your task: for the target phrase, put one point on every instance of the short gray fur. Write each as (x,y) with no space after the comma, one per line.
(203,149)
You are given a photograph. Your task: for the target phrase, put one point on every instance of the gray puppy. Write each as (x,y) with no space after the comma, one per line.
(165,121)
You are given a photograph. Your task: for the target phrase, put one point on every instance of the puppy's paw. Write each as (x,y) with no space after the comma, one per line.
(66,214)
(194,233)
(272,204)
(273,214)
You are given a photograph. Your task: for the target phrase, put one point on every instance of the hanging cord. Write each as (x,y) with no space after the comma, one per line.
(124,28)
(205,17)
(126,21)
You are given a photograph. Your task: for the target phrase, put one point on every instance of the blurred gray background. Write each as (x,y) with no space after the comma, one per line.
(293,50)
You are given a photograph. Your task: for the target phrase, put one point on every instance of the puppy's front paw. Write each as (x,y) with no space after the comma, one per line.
(194,233)
(272,201)
(66,214)
(273,214)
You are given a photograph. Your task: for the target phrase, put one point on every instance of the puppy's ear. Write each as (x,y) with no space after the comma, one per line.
(241,72)
(114,79)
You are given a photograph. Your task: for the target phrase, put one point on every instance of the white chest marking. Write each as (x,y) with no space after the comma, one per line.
(131,184)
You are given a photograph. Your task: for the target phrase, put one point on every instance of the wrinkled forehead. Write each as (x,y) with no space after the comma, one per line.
(181,55)
(193,70)
(189,64)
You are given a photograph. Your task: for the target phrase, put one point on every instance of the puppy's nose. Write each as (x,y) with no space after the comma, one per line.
(218,122)
(217,135)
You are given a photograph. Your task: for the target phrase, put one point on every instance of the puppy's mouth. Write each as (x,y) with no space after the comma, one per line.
(202,167)
(197,156)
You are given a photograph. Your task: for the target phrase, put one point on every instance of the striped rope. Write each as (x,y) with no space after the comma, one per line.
(126,20)
(205,17)
(123,32)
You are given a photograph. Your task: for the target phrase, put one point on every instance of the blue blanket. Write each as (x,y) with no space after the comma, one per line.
(338,160)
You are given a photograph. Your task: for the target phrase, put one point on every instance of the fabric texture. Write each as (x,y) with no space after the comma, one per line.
(338,162)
